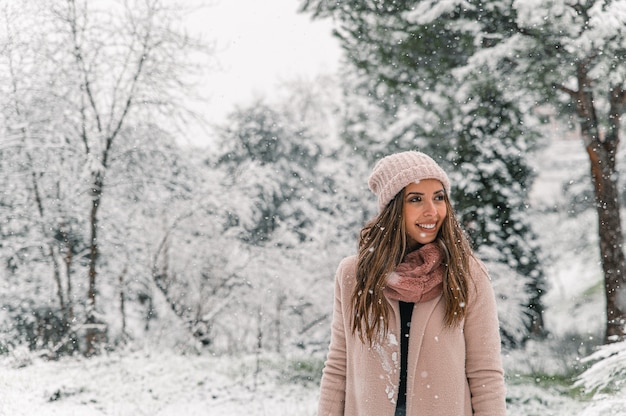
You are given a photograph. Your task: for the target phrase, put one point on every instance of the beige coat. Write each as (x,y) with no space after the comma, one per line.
(451,371)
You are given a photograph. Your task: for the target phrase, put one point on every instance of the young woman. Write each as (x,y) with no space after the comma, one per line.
(414,329)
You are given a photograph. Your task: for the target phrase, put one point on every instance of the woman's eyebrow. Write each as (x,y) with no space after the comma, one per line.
(441,191)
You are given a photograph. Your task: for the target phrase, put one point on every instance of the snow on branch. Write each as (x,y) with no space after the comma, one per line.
(608,371)
(428,11)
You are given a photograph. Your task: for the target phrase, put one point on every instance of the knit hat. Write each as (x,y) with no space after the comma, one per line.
(394,172)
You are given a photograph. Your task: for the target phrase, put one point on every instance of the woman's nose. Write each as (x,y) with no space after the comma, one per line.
(429,208)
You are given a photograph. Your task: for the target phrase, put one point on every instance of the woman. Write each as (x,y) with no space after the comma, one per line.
(415,328)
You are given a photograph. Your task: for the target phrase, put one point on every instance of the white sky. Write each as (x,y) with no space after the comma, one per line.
(261,42)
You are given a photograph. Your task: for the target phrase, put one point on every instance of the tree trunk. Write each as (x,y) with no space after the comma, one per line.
(91,333)
(69,312)
(123,299)
(602,155)
(611,237)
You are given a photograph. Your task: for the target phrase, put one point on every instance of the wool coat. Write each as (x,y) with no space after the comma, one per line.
(452,371)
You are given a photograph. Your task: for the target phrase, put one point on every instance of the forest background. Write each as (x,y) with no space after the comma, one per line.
(118,235)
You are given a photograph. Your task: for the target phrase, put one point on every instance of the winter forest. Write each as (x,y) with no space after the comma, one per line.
(144,273)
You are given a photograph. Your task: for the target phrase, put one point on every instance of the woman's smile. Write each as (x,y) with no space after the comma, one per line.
(427,226)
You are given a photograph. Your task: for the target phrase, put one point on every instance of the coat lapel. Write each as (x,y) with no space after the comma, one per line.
(422,313)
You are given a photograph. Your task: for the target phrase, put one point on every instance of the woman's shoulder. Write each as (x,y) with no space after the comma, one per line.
(477,268)
(347,264)
(347,268)
(479,275)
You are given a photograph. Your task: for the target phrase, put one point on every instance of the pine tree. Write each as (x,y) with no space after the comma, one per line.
(271,162)
(412,72)
(294,208)
(570,56)
(493,179)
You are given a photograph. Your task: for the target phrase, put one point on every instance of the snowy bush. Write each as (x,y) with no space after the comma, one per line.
(608,372)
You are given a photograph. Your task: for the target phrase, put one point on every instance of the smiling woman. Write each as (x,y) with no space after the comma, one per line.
(414,265)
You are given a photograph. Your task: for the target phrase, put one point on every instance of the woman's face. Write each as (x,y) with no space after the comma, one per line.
(424,211)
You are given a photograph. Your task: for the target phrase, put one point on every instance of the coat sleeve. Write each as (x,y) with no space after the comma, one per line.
(333,384)
(482,339)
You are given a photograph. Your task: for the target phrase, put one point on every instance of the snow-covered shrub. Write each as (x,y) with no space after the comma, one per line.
(608,372)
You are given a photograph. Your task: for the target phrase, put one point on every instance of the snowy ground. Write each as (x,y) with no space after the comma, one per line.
(144,382)
(156,384)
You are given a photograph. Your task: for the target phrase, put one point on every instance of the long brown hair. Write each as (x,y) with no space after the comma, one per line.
(382,246)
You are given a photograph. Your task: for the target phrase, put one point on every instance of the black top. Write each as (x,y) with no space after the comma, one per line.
(406,310)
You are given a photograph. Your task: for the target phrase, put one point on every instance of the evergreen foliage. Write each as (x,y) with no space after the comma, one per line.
(472,124)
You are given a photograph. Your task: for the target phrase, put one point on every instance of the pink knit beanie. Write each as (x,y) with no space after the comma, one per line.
(394,172)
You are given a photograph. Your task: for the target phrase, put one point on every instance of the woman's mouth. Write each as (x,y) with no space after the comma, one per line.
(427,227)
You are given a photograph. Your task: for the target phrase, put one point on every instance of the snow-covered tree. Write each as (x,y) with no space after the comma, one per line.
(295,202)
(472,124)
(86,83)
(569,55)
(272,163)
(493,180)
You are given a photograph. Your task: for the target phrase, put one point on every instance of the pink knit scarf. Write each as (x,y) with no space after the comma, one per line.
(419,277)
